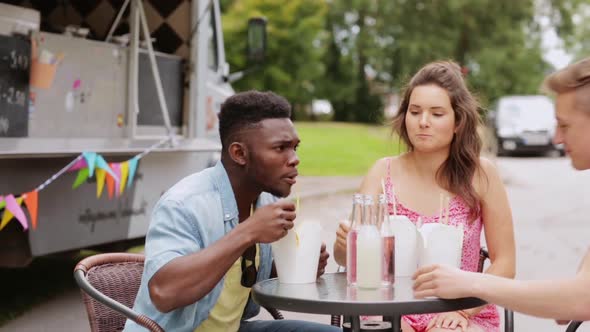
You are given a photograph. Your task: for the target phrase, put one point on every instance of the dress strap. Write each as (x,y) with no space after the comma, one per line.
(388,183)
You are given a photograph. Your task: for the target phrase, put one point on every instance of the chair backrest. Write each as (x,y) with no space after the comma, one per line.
(483,255)
(116,276)
(573,326)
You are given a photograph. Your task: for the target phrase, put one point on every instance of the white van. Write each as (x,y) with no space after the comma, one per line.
(523,124)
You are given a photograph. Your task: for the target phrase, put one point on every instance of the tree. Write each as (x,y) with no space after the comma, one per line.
(579,43)
(348,58)
(339,82)
(295,46)
(496,41)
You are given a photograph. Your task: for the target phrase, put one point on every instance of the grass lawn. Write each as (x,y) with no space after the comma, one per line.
(331,148)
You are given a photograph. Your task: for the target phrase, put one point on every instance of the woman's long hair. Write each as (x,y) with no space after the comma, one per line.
(457,172)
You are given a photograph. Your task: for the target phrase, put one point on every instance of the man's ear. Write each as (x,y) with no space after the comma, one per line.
(238,152)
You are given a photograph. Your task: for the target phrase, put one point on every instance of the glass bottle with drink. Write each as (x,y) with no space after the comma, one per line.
(369,248)
(388,238)
(351,239)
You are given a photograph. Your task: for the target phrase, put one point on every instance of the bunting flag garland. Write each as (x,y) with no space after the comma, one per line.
(117,176)
(81,163)
(116,167)
(110,186)
(12,208)
(90,158)
(31,201)
(124,172)
(101,163)
(132,167)
(13,205)
(100,177)
(83,175)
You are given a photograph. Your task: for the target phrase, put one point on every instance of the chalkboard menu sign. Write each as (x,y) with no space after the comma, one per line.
(15,63)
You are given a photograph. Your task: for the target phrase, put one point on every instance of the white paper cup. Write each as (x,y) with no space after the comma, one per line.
(406,245)
(297,261)
(443,244)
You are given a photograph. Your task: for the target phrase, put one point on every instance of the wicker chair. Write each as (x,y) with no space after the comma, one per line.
(109,284)
(508,314)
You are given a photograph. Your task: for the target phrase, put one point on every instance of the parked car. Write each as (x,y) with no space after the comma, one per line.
(523,124)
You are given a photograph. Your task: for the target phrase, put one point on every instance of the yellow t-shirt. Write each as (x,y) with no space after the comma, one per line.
(227,312)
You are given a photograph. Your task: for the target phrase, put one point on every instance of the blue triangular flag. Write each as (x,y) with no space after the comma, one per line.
(132,167)
(101,163)
(90,161)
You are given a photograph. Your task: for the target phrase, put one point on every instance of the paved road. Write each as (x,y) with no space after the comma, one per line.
(550,205)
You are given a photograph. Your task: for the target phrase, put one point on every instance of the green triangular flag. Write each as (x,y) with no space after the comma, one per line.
(81,178)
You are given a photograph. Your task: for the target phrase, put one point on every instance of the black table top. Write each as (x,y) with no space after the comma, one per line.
(331,295)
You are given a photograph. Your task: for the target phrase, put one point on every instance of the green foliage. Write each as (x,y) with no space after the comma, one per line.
(295,46)
(342,149)
(355,52)
(497,41)
(580,46)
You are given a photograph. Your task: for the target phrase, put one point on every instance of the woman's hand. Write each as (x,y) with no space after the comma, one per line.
(449,320)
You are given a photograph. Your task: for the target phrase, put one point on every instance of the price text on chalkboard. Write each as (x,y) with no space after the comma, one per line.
(15,63)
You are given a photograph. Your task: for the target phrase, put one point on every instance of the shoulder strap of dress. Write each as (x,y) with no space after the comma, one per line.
(388,182)
(388,175)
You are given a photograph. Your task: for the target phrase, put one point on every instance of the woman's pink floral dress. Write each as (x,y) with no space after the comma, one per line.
(488,319)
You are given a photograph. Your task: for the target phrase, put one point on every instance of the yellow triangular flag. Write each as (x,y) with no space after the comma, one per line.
(8,215)
(100,176)
(124,173)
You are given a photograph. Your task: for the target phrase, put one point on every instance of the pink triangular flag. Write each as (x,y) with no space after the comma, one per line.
(81,163)
(32,201)
(14,207)
(116,167)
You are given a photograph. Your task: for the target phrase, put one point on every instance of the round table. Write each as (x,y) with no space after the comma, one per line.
(330,295)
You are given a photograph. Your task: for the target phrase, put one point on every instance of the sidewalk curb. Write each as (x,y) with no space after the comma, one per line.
(316,187)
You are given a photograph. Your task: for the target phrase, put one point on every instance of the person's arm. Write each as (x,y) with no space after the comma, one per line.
(186,279)
(371,185)
(497,219)
(565,299)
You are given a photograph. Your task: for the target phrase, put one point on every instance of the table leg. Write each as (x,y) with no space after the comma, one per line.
(355,323)
(396,323)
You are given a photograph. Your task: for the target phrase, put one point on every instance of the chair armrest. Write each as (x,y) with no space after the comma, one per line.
(86,287)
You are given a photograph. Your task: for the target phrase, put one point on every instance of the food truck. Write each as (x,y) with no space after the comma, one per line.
(84,93)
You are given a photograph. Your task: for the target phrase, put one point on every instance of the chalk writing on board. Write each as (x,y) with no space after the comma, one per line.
(14,96)
(4,125)
(16,61)
(15,65)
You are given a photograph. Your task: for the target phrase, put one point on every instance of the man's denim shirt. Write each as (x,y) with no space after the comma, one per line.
(192,215)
